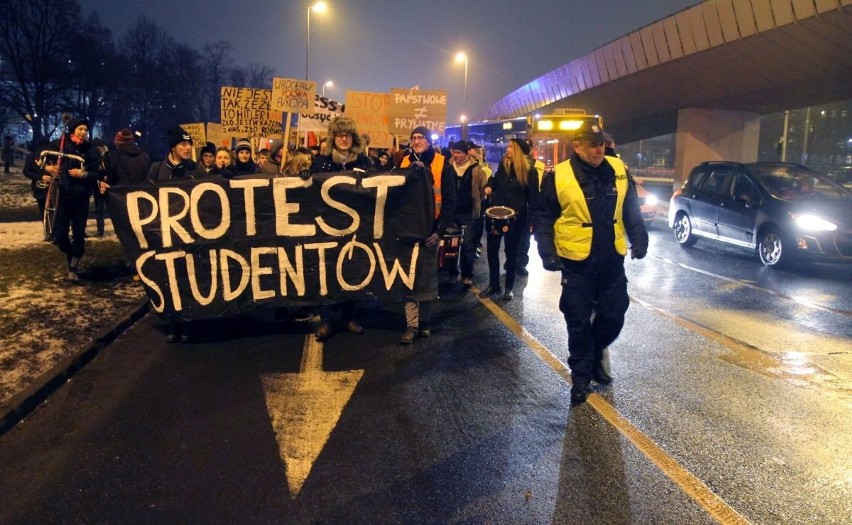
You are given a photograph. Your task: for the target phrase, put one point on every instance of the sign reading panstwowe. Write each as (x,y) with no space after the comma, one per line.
(411,108)
(291,95)
(370,112)
(215,247)
(245,113)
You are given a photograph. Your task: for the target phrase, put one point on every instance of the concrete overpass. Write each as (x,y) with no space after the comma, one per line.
(707,73)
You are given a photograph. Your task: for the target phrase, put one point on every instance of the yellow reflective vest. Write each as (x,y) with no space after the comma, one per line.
(437,167)
(572,231)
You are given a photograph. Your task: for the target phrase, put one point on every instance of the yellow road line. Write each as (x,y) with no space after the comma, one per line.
(691,485)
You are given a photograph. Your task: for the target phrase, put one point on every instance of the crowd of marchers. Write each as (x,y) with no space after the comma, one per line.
(583,212)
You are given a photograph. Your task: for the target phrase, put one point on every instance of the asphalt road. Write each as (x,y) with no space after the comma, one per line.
(731,403)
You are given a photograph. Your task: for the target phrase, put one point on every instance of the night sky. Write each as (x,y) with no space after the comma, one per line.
(376,45)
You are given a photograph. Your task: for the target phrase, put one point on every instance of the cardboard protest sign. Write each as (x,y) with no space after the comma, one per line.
(291,95)
(197,132)
(245,112)
(325,110)
(370,112)
(216,136)
(411,108)
(213,247)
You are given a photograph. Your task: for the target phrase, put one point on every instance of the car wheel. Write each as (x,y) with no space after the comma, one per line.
(683,230)
(773,248)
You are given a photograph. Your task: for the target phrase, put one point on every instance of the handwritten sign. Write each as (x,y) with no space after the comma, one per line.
(325,110)
(370,112)
(411,108)
(245,112)
(293,96)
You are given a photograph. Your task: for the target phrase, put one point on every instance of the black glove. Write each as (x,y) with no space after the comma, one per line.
(418,165)
(433,240)
(305,174)
(552,264)
(638,253)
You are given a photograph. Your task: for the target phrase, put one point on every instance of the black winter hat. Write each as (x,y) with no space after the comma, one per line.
(75,123)
(176,135)
(209,148)
(460,145)
(422,130)
(524,145)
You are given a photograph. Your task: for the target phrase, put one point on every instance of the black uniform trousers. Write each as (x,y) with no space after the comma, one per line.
(594,300)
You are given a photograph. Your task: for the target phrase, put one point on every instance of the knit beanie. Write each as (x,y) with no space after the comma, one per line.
(422,130)
(124,136)
(176,135)
(75,123)
(243,144)
(461,145)
(209,148)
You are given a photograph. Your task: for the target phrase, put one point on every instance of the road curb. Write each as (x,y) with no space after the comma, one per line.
(22,404)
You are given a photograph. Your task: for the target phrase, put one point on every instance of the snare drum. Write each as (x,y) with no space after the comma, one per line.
(499,219)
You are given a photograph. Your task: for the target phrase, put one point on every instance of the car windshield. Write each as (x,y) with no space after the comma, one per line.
(798,183)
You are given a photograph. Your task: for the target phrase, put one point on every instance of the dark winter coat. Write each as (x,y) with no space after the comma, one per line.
(128,164)
(165,171)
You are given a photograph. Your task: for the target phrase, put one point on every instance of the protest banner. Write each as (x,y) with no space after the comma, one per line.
(217,247)
(245,113)
(369,110)
(411,108)
(293,96)
(325,110)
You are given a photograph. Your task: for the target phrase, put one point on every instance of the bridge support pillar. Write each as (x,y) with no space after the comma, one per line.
(713,134)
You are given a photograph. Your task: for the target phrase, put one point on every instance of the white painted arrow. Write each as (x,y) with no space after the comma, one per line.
(304,408)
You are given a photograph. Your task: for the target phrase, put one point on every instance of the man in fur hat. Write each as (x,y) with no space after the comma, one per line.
(344,149)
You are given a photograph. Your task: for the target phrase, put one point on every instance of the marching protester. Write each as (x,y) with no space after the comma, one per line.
(477,154)
(76,180)
(470,182)
(276,155)
(128,164)
(177,164)
(40,179)
(299,164)
(383,161)
(585,213)
(243,164)
(102,151)
(223,163)
(345,150)
(262,157)
(526,235)
(508,187)
(423,162)
(206,160)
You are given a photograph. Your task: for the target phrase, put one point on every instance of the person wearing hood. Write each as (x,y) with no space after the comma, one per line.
(243,163)
(344,150)
(276,155)
(177,164)
(128,164)
(76,181)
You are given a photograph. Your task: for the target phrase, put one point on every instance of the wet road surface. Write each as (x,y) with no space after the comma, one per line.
(731,403)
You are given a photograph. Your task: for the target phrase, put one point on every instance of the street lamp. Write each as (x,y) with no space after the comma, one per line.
(319,7)
(462,57)
(328,84)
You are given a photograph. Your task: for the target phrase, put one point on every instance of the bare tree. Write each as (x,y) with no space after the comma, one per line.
(35,37)
(255,75)
(217,62)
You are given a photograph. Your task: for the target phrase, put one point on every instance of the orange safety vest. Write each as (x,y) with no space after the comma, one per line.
(437,167)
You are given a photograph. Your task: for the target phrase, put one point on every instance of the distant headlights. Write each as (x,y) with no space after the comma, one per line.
(807,221)
(650,200)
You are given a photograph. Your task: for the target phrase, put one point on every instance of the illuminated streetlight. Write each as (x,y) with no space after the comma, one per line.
(462,57)
(328,84)
(319,7)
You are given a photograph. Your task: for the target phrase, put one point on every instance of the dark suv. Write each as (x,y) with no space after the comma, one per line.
(785,212)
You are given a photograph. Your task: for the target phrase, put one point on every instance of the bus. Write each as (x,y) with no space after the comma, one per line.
(550,136)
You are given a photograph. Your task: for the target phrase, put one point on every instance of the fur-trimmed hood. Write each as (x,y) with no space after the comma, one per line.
(343,125)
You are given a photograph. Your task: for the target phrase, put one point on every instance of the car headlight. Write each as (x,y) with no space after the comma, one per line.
(650,200)
(807,221)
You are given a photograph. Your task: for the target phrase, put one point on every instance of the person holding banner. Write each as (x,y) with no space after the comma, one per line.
(223,163)
(207,160)
(422,161)
(243,164)
(344,151)
(178,164)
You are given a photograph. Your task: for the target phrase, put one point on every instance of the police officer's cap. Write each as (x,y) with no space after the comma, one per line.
(590,131)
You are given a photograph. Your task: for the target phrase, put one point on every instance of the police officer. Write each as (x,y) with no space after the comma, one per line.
(585,214)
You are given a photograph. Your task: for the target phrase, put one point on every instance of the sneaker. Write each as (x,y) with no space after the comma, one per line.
(425,332)
(467,282)
(73,277)
(322,332)
(508,296)
(408,336)
(579,393)
(354,328)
